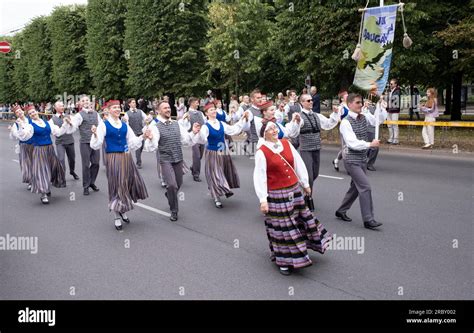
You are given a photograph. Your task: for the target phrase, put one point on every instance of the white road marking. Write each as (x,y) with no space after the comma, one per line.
(16,161)
(153,209)
(331,177)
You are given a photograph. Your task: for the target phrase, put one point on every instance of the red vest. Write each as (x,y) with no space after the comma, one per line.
(279,174)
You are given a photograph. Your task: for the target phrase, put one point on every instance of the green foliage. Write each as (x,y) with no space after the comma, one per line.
(67,26)
(105,55)
(37,44)
(165,41)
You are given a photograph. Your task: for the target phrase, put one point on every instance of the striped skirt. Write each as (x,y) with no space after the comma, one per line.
(126,185)
(26,162)
(221,174)
(46,170)
(292,229)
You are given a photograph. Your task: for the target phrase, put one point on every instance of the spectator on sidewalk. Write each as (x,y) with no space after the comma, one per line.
(430,109)
(393,110)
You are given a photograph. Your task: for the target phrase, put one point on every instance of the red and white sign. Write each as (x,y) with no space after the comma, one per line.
(5,47)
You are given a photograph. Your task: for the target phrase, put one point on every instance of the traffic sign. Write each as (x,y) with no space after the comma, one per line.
(5,47)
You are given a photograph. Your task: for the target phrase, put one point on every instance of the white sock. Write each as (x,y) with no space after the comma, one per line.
(124,216)
(336,160)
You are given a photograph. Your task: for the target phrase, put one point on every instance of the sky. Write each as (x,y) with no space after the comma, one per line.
(15,14)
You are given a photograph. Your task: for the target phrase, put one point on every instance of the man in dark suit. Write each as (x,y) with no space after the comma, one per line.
(316,100)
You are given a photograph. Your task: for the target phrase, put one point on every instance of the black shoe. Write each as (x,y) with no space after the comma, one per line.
(343,216)
(218,204)
(118,224)
(127,220)
(228,195)
(73,174)
(95,188)
(44,200)
(336,165)
(197,179)
(286,271)
(48,194)
(371,168)
(86,191)
(174,216)
(139,165)
(372,224)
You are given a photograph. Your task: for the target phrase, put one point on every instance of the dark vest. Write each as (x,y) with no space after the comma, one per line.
(195,117)
(253,130)
(88,119)
(65,139)
(359,126)
(169,145)
(310,136)
(135,120)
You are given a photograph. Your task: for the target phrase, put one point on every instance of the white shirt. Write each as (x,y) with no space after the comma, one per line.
(348,134)
(187,138)
(326,123)
(77,119)
(260,171)
(14,130)
(133,142)
(27,130)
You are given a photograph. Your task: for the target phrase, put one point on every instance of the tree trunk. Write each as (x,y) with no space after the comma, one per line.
(457,84)
(448,99)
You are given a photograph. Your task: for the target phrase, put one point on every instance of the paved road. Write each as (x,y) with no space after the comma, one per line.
(425,203)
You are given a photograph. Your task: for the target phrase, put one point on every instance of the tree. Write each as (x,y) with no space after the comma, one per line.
(67,28)
(106,58)
(165,40)
(6,73)
(20,69)
(238,39)
(37,43)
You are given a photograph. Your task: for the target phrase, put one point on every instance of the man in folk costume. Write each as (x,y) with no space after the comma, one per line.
(196,117)
(25,147)
(310,137)
(291,108)
(64,143)
(252,135)
(84,120)
(125,184)
(136,119)
(354,132)
(343,111)
(169,137)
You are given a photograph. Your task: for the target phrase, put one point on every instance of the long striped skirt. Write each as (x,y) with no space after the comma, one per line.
(126,185)
(26,162)
(46,170)
(292,229)
(221,174)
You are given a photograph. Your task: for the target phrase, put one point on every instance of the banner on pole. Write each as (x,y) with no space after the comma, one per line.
(378,31)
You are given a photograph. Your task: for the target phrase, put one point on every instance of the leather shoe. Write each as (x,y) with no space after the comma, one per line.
(343,216)
(284,271)
(174,216)
(197,179)
(139,166)
(86,191)
(127,220)
(73,174)
(372,224)
(95,188)
(371,168)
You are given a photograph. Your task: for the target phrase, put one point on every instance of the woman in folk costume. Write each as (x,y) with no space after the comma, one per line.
(290,130)
(46,167)
(125,183)
(25,147)
(221,174)
(291,227)
(105,116)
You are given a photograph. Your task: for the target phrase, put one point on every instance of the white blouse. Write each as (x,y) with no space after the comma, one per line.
(14,129)
(260,171)
(27,130)
(133,141)
(235,129)
(290,130)
(187,138)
